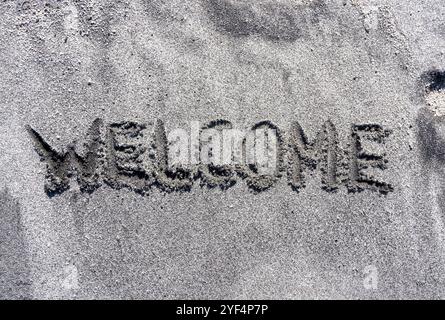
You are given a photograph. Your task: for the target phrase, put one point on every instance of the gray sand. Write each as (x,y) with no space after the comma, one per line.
(165,63)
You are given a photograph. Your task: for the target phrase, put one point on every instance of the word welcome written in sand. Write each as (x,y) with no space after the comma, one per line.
(140,156)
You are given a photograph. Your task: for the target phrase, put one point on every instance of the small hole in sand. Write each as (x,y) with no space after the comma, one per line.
(436,80)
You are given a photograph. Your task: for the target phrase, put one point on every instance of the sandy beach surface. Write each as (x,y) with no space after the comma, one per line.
(91,89)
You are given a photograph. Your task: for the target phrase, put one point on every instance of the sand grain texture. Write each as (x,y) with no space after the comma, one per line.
(64,64)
